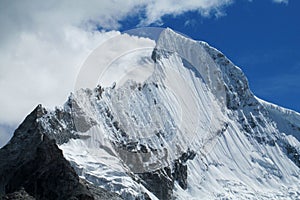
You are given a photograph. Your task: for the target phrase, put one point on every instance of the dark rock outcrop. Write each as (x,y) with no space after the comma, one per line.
(63,124)
(18,195)
(180,168)
(32,166)
(180,174)
(100,193)
(293,153)
(160,182)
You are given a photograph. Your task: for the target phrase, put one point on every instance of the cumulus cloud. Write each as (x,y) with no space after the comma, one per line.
(37,70)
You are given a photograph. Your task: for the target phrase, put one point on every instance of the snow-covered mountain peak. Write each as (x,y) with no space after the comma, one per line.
(185,119)
(177,120)
(190,121)
(226,81)
(194,56)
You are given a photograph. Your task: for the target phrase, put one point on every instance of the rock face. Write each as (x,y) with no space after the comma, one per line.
(32,166)
(18,195)
(180,169)
(159,182)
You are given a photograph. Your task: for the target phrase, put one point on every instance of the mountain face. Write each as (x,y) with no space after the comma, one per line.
(32,166)
(191,130)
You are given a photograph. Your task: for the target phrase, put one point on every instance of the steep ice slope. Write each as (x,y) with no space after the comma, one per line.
(192,129)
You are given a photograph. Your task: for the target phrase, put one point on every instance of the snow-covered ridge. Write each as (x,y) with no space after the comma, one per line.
(226,81)
(191,129)
(288,121)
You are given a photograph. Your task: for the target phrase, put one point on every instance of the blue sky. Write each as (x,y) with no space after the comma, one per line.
(261,37)
(44,43)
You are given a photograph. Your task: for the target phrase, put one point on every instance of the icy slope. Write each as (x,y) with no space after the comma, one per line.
(190,128)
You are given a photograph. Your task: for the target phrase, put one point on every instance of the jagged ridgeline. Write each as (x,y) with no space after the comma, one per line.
(191,130)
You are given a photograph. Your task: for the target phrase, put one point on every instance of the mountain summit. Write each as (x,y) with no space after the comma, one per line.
(190,128)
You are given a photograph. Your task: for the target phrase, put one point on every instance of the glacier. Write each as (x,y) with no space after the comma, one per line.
(182,123)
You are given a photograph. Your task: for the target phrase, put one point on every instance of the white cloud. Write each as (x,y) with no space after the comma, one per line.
(37,70)
(281,1)
(156,9)
(43,44)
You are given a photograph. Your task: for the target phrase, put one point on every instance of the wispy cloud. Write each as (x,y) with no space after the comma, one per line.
(281,1)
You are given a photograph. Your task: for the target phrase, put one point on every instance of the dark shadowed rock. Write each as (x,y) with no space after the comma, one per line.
(18,195)
(180,174)
(33,162)
(160,182)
